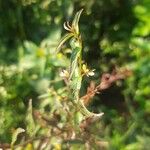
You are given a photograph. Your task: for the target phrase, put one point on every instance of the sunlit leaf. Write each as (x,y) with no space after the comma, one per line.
(29,120)
(63,40)
(15,135)
(76,21)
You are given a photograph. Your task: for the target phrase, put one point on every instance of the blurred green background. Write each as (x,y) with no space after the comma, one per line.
(116,33)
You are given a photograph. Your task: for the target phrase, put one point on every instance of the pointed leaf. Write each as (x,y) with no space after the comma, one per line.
(63,40)
(29,120)
(76,21)
(15,135)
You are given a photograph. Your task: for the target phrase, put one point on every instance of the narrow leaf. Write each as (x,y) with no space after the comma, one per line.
(30,121)
(63,40)
(76,51)
(74,61)
(15,135)
(76,21)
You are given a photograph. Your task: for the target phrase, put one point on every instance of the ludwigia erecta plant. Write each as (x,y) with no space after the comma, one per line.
(60,126)
(77,69)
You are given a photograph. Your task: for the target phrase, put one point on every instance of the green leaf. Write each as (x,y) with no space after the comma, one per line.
(76,51)
(63,40)
(76,21)
(30,121)
(74,61)
(15,135)
(75,75)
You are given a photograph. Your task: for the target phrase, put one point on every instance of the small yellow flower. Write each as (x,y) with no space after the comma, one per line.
(64,74)
(29,146)
(86,71)
(59,56)
(57,146)
(40,52)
